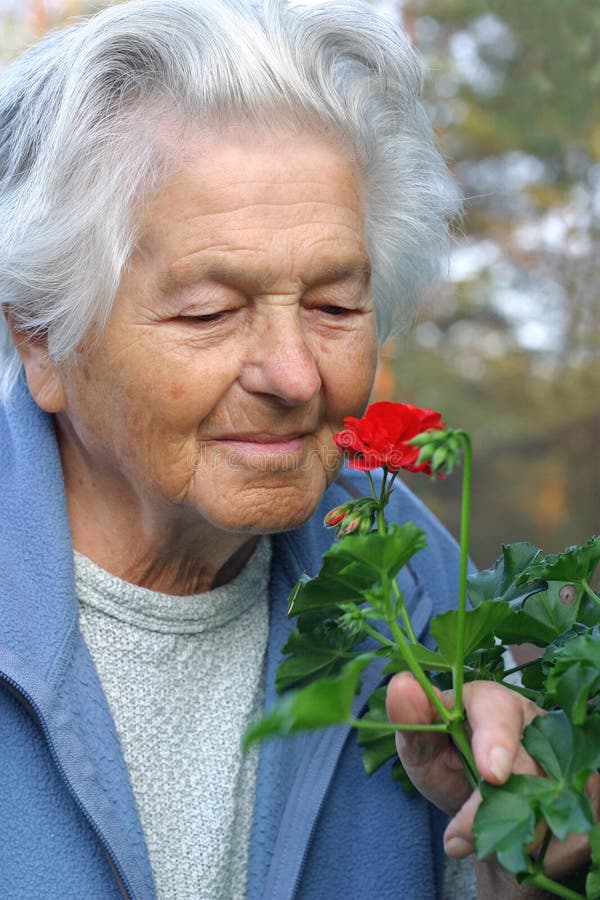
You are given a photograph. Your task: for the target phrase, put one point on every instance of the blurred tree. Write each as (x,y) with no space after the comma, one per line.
(510,350)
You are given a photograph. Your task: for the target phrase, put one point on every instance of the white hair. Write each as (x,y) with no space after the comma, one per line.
(79,153)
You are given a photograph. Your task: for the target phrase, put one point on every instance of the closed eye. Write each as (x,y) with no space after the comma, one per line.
(335,310)
(207,318)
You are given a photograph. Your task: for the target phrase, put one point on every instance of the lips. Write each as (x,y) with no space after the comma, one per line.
(263,451)
(260,438)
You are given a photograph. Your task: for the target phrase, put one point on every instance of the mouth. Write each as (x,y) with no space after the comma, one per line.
(262,442)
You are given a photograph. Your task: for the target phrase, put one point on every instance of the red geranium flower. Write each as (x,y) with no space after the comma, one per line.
(381,437)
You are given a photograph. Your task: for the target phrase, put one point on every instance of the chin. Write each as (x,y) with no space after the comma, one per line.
(268,511)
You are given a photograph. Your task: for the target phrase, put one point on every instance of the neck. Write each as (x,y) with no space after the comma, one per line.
(179,561)
(170,549)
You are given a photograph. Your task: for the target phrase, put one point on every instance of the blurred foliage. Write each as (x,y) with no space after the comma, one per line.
(508,348)
(543,62)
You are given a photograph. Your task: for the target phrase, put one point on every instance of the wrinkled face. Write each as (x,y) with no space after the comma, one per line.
(242,334)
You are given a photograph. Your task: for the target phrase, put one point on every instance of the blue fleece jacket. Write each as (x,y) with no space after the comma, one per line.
(69,828)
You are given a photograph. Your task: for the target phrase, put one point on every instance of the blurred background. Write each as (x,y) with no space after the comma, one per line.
(508,347)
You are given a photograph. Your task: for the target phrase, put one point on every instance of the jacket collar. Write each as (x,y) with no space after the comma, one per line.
(43,657)
(39,609)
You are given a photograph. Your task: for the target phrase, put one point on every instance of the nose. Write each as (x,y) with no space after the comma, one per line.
(282,364)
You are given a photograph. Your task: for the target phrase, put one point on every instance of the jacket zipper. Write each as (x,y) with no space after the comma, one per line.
(28,701)
(318,786)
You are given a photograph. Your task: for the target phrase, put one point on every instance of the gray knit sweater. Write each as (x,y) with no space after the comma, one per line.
(183,676)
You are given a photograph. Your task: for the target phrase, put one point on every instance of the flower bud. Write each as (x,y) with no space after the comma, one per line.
(349,525)
(439,458)
(425,454)
(336,515)
(366,524)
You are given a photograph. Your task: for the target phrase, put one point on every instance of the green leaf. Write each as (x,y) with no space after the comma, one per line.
(505,821)
(318,648)
(355,564)
(549,739)
(303,667)
(533,677)
(573,565)
(542,618)
(500,582)
(327,701)
(429,660)
(575,675)
(383,554)
(567,812)
(565,751)
(377,751)
(338,581)
(485,664)
(480,625)
(399,774)
(378,746)
(586,748)
(376,713)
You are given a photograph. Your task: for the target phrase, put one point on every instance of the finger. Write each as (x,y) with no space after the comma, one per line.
(458,836)
(565,857)
(572,854)
(407,704)
(429,758)
(497,717)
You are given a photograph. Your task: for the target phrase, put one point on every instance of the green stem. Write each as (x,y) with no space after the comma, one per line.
(373,491)
(382,504)
(397,632)
(391,485)
(525,665)
(377,636)
(547,884)
(457,731)
(393,726)
(590,592)
(415,667)
(465,515)
(539,861)
(408,627)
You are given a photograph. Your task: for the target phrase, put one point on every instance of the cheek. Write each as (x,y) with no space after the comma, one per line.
(349,381)
(120,411)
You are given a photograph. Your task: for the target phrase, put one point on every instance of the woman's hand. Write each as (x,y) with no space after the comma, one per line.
(497,717)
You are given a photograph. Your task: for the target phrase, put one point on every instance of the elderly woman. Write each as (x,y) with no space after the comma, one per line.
(211,213)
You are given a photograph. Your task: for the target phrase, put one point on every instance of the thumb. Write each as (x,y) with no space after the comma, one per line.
(407,704)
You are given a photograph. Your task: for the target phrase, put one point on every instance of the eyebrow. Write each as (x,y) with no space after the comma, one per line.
(355,271)
(185,273)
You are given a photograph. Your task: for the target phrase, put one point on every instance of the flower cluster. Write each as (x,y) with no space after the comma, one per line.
(382,437)
(355,517)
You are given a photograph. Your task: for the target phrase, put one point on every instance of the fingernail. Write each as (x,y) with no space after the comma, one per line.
(500,763)
(458,847)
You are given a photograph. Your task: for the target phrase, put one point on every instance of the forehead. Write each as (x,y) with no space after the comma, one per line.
(256,194)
